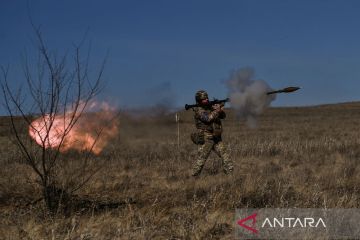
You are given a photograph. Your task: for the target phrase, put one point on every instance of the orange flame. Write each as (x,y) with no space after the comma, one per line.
(92,131)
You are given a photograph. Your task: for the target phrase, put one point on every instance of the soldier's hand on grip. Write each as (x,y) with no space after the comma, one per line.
(217,107)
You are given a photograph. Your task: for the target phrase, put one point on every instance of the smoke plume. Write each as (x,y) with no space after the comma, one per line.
(157,101)
(248,95)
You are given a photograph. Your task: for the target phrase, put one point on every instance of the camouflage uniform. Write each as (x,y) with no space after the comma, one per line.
(208,122)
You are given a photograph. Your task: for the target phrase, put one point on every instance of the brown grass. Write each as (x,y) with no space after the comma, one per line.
(296,157)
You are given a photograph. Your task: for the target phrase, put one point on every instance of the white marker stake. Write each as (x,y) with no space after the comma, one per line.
(177,119)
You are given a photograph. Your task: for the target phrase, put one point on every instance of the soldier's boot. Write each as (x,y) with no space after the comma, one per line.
(228,169)
(196,173)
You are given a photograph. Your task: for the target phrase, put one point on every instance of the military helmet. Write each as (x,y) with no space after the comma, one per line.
(201,95)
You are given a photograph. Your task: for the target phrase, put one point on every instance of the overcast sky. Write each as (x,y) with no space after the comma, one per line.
(166,50)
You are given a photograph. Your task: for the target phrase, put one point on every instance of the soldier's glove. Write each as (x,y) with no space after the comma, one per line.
(218,107)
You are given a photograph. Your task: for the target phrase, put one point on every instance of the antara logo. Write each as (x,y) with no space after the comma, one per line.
(291,222)
(287,222)
(252,217)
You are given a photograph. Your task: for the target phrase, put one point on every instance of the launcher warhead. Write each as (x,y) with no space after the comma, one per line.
(284,90)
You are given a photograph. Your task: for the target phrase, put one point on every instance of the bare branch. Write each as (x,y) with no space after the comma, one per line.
(59,95)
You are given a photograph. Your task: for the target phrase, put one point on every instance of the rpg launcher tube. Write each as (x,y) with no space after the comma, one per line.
(215,101)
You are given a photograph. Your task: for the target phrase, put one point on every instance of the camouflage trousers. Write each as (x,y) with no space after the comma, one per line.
(204,150)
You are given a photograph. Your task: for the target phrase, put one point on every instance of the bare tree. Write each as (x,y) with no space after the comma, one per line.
(55,84)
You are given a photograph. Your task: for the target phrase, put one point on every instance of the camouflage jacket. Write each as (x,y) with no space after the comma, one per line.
(209,121)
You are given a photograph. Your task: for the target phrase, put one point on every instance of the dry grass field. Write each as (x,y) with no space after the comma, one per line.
(297,157)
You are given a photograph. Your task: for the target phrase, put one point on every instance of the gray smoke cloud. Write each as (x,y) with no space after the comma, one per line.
(159,100)
(248,95)
(162,96)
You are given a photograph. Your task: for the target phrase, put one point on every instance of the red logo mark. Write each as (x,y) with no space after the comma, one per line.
(250,228)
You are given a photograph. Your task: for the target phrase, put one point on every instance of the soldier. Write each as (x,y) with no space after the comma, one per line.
(208,123)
